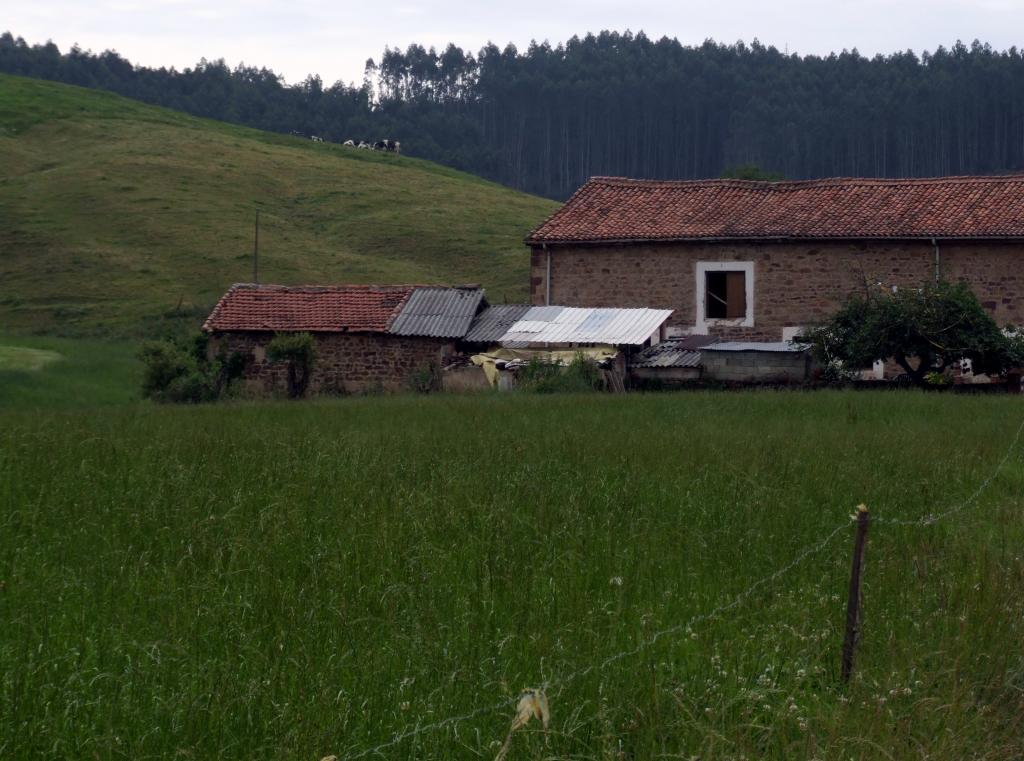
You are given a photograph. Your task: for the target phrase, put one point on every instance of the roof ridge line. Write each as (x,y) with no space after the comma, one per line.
(819,181)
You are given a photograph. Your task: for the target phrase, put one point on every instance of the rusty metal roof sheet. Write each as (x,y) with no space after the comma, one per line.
(438,312)
(671,353)
(574,325)
(492,323)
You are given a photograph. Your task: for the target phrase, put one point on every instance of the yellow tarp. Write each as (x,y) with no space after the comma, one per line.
(488,359)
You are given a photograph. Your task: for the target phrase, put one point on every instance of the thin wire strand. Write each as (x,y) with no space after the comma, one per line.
(644,644)
(421,728)
(932,518)
(703,617)
(695,620)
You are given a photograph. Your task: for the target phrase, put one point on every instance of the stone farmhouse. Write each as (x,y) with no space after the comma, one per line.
(368,337)
(757,261)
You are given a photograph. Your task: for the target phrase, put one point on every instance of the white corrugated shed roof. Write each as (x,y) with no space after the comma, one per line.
(575,325)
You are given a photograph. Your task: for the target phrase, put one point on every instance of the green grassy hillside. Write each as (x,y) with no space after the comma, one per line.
(114,214)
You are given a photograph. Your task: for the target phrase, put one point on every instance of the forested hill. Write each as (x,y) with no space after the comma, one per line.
(546,118)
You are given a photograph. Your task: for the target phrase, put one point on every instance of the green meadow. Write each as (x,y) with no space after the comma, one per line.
(298,580)
(63,373)
(115,215)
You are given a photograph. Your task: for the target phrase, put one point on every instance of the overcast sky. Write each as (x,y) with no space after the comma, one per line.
(334,39)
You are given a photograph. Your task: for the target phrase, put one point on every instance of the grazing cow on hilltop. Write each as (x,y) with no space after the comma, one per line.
(316,139)
(389,146)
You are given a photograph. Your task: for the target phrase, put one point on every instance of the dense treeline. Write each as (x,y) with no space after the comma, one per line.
(546,118)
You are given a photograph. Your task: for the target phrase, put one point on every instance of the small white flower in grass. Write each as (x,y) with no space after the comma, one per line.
(615,581)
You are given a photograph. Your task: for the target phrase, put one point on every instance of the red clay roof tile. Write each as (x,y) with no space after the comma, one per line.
(334,309)
(617,209)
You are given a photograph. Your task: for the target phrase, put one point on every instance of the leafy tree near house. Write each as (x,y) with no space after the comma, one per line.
(925,330)
(298,350)
(181,370)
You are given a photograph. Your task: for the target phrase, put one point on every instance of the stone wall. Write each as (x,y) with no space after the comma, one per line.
(795,284)
(346,363)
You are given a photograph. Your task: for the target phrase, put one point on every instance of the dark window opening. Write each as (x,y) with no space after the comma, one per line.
(725,295)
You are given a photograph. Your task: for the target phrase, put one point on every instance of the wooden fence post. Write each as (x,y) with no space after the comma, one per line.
(853,602)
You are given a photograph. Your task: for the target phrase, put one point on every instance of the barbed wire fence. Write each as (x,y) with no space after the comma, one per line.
(933,518)
(736,601)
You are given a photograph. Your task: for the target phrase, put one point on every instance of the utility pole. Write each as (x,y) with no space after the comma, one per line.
(256,252)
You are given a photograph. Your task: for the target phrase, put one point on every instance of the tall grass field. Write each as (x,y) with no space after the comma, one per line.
(380,578)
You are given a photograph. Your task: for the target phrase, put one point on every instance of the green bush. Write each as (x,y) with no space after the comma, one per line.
(179,371)
(298,350)
(544,377)
(424,380)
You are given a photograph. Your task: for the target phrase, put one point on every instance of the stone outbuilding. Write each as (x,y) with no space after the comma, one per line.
(758,261)
(368,337)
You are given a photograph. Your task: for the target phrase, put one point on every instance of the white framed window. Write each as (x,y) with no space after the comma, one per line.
(725,295)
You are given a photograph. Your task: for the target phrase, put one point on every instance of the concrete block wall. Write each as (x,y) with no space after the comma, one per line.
(756,366)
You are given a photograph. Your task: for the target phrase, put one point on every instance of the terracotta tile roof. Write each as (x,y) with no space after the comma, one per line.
(335,309)
(616,209)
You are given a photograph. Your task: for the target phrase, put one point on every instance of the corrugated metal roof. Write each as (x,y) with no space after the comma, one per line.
(565,325)
(492,323)
(438,312)
(773,346)
(670,353)
(694,341)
